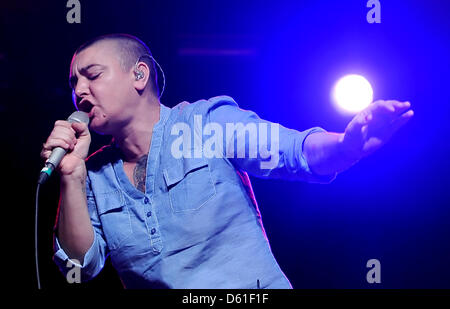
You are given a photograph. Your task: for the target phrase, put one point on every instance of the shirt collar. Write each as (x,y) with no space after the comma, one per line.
(164,113)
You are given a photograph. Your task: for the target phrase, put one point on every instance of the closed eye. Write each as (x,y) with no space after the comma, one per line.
(93,77)
(85,72)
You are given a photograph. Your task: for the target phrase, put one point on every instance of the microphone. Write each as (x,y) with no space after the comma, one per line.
(58,153)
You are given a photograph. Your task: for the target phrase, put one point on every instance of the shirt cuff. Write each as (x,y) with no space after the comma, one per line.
(313,177)
(60,257)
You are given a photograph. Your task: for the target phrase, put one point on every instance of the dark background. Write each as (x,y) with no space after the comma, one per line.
(279,59)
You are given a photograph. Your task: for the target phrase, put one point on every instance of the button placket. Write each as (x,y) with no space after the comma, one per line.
(152,226)
(149,212)
(151,220)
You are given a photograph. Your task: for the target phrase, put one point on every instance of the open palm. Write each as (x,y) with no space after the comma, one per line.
(373,127)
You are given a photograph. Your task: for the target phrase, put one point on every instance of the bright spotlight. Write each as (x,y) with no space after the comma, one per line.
(352,93)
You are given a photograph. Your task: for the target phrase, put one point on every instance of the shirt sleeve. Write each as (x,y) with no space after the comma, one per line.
(95,257)
(259,147)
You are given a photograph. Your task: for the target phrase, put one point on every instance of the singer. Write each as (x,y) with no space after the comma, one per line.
(170,200)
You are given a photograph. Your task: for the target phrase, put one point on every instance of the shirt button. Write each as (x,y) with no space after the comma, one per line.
(149,214)
(146,200)
(153,231)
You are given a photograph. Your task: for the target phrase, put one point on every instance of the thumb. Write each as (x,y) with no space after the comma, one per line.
(359,121)
(80,128)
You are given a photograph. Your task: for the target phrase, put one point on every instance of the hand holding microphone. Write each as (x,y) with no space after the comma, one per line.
(67,147)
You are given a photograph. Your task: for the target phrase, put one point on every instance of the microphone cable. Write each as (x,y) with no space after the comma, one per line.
(36,257)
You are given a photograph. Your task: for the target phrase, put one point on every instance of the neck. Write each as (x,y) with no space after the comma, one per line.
(134,139)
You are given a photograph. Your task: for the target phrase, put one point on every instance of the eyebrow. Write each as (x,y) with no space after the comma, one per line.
(73,78)
(90,66)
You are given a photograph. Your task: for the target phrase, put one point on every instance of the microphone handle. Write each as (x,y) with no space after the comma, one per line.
(57,154)
(53,161)
(55,158)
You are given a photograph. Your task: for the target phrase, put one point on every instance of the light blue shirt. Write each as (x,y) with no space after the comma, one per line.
(197,225)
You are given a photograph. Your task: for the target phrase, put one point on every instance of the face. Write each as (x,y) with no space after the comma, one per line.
(102,88)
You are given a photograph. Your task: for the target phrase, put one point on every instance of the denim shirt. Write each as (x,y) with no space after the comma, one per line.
(197,225)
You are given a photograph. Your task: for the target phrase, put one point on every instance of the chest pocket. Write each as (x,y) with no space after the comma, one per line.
(189,183)
(115,218)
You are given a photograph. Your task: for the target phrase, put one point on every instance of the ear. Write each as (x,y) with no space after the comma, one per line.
(141,75)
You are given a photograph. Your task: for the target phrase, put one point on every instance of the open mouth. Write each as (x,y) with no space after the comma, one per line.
(85,106)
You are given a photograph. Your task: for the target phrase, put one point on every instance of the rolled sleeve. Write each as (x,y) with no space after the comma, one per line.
(93,260)
(313,176)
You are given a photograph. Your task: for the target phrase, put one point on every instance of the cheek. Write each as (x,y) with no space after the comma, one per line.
(105,94)
(113,94)
(123,95)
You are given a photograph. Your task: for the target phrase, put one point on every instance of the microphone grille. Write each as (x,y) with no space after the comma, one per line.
(79,116)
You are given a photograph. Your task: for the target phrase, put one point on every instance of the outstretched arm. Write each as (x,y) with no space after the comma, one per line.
(328,153)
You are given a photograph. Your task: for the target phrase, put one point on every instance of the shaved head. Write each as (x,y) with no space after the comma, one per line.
(129,50)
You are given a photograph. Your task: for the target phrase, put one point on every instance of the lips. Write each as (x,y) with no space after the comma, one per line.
(92,113)
(85,106)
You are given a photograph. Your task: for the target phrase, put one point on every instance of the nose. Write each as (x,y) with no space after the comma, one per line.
(82,88)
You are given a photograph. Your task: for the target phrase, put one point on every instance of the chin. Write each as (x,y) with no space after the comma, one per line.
(99,127)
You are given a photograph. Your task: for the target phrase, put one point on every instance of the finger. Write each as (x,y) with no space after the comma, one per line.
(400,104)
(387,111)
(63,133)
(376,108)
(45,154)
(394,107)
(402,120)
(61,141)
(359,121)
(67,130)
(56,142)
(402,111)
(64,124)
(383,107)
(80,128)
(401,107)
